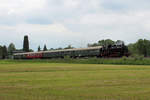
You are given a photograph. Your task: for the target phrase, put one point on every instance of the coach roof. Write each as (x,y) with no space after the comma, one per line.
(63,50)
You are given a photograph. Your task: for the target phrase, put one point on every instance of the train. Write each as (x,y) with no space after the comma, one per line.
(98,51)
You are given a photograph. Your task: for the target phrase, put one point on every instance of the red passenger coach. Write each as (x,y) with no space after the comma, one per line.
(34,55)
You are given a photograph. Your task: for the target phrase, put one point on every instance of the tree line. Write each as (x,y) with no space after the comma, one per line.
(4,51)
(106,43)
(45,48)
(141,47)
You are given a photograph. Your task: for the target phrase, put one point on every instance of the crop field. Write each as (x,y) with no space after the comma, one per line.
(52,81)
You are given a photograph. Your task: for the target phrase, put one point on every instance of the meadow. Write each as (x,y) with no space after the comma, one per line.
(60,81)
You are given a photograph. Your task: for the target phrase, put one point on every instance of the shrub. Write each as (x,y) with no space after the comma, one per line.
(124,58)
(137,60)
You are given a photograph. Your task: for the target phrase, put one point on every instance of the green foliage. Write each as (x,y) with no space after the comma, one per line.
(69,47)
(119,42)
(93,45)
(5,53)
(124,58)
(67,58)
(137,60)
(26,44)
(132,49)
(31,50)
(106,43)
(138,57)
(39,48)
(11,48)
(1,52)
(45,48)
(141,47)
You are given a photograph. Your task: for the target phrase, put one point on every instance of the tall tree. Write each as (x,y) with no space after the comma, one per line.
(11,48)
(5,53)
(45,48)
(39,48)
(1,52)
(143,47)
(26,44)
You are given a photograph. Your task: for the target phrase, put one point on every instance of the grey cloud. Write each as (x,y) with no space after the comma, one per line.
(77,22)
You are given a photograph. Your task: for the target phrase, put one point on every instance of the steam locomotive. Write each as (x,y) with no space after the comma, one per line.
(99,51)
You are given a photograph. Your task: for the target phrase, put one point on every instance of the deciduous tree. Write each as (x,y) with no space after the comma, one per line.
(11,48)
(39,48)
(5,53)
(45,48)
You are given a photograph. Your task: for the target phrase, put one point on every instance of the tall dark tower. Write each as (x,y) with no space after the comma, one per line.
(26,44)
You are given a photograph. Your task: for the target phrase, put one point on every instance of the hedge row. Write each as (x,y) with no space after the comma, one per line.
(119,61)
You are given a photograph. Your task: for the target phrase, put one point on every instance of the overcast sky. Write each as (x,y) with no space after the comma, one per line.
(58,23)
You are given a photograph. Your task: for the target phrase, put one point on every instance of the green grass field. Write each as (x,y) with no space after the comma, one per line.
(51,81)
